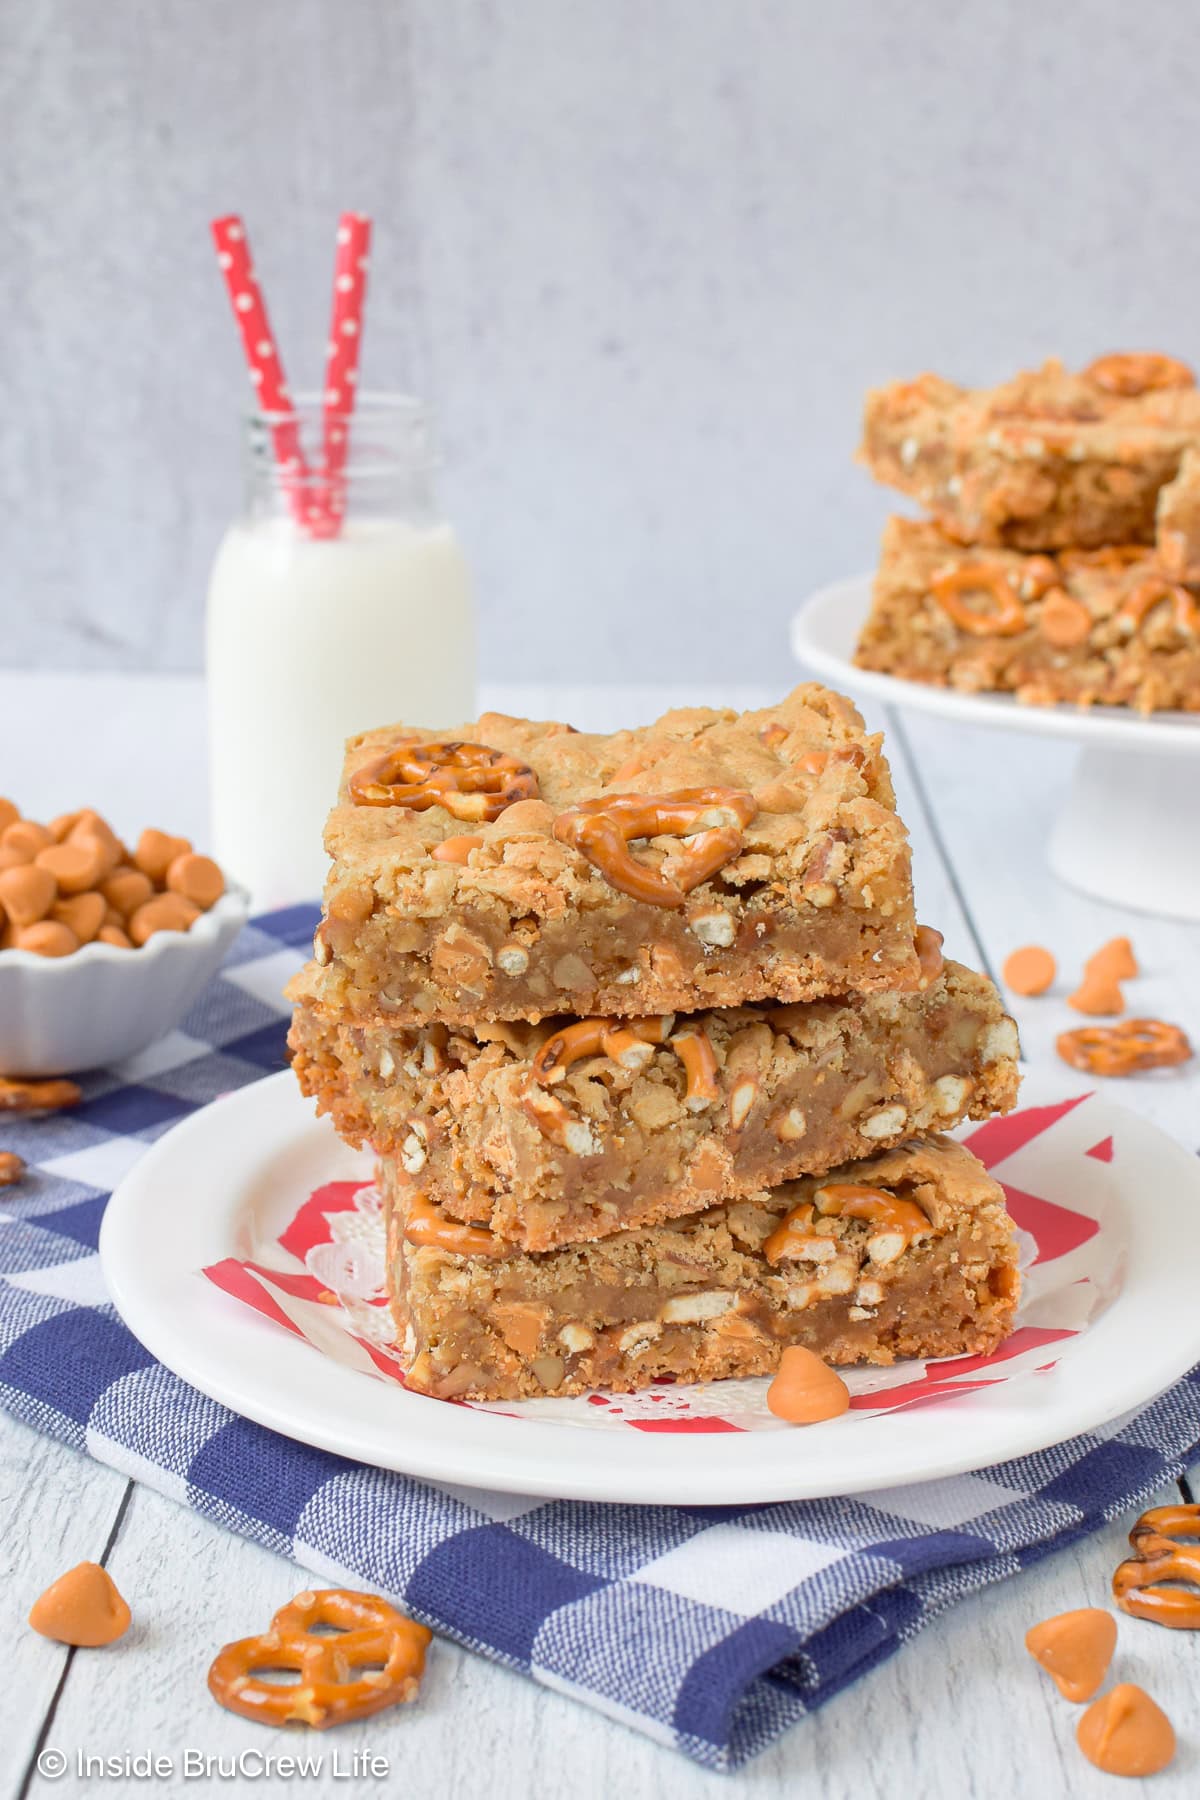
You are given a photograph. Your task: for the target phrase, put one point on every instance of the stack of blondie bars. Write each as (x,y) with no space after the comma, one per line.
(654,1058)
(1062,559)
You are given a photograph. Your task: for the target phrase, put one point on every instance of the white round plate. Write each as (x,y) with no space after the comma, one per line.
(226,1181)
(826,628)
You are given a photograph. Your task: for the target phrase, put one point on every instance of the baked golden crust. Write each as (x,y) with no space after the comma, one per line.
(1046,461)
(1101,627)
(721,1293)
(793,1090)
(424,920)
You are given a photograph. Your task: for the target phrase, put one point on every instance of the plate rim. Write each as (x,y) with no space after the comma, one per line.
(814,635)
(420,1437)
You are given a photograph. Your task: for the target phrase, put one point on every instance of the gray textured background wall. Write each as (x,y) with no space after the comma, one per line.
(642,256)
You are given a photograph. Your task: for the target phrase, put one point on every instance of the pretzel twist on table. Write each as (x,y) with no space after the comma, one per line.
(363,1633)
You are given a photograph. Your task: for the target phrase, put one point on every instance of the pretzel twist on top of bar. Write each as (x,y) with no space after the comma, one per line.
(1123,1049)
(1185,614)
(472,781)
(1133,372)
(710,820)
(1008,615)
(373,1657)
(1157,1559)
(628,1042)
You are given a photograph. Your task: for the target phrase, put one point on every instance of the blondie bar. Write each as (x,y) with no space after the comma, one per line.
(570,1130)
(1046,461)
(518,870)
(1101,626)
(907,1254)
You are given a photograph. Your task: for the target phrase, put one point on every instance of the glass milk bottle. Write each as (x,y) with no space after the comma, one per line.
(315,632)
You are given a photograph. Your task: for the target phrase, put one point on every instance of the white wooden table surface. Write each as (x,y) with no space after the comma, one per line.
(962,1712)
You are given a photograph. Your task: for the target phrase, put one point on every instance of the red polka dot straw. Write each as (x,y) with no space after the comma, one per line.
(345,339)
(265,365)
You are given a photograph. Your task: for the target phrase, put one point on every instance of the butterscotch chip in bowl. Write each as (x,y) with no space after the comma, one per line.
(26,894)
(126,889)
(155,853)
(197,878)
(46,938)
(166,912)
(100,953)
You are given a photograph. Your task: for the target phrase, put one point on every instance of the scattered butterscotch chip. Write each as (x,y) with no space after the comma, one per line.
(1029,970)
(806,1390)
(197,879)
(1115,959)
(1098,995)
(1075,1649)
(37,1096)
(1125,1732)
(12,1168)
(82,1607)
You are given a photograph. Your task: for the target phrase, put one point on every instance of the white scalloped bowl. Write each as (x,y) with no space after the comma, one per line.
(59,1015)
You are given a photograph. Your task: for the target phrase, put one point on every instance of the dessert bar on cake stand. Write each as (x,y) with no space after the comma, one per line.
(1127,833)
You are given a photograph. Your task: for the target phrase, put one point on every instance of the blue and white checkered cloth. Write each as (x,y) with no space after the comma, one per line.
(711,1628)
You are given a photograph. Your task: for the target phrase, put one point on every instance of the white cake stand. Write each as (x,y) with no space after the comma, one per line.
(1130,832)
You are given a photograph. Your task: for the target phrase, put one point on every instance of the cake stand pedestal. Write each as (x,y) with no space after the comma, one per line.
(1129,832)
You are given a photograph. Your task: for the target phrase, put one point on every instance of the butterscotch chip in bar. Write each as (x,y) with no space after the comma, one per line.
(571,1130)
(906,1254)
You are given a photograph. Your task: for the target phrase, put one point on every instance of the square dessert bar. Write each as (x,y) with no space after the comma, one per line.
(510,869)
(910,1253)
(568,1131)
(1086,626)
(1048,460)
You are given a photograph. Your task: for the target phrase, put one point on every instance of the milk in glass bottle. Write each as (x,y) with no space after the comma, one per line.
(331,609)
